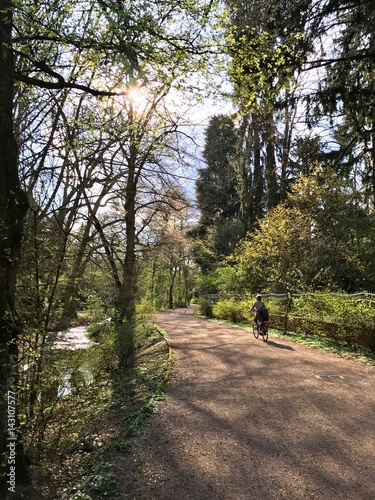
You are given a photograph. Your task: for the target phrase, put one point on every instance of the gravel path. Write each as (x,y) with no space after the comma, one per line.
(244,420)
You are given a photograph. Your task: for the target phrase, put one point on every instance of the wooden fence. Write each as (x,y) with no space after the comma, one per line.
(358,331)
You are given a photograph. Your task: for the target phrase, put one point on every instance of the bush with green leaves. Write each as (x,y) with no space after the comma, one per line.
(232,310)
(339,316)
(105,357)
(204,308)
(145,308)
(334,307)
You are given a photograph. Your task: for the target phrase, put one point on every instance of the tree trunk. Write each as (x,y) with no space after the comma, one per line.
(373,166)
(171,286)
(272,198)
(71,291)
(243,174)
(127,302)
(152,287)
(285,154)
(125,307)
(13,208)
(258,174)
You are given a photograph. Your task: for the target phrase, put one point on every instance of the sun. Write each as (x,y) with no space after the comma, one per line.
(137,98)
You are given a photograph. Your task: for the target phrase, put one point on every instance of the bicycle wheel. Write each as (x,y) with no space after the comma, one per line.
(255,330)
(263,330)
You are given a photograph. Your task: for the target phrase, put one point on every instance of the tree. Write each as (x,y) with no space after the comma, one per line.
(216,183)
(51,38)
(307,242)
(164,263)
(265,60)
(279,255)
(220,225)
(335,53)
(348,90)
(247,163)
(13,207)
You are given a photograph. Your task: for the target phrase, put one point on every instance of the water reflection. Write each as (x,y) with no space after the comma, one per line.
(71,379)
(72,339)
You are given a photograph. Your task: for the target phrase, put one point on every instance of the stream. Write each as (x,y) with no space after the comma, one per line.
(73,363)
(72,339)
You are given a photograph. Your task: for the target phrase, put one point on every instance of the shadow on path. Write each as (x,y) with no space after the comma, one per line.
(280,346)
(245,420)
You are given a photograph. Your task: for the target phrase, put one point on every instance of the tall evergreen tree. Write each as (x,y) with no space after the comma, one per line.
(220,223)
(216,185)
(266,57)
(347,93)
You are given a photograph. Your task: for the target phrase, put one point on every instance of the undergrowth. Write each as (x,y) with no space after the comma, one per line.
(343,349)
(100,422)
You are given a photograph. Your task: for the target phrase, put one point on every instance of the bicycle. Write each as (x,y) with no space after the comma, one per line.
(260,328)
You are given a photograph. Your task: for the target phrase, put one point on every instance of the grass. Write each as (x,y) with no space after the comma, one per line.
(342,349)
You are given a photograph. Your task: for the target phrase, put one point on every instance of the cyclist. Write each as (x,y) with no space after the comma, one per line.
(258,306)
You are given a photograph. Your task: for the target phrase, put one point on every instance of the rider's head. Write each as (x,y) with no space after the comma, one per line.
(258,297)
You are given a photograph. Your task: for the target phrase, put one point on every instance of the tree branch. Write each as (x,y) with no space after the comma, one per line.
(63,84)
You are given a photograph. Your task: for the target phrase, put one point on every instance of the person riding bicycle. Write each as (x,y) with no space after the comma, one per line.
(260,308)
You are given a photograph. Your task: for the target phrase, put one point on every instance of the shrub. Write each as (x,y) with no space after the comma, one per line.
(145,308)
(204,308)
(104,358)
(232,310)
(96,331)
(334,307)
(338,316)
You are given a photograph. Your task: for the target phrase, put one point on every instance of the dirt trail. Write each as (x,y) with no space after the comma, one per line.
(248,420)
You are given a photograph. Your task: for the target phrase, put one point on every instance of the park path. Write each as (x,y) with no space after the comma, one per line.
(245,420)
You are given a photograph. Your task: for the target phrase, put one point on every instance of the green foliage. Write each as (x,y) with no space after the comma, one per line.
(228,279)
(130,335)
(335,307)
(344,350)
(79,495)
(262,62)
(349,87)
(215,186)
(93,304)
(67,378)
(145,308)
(365,245)
(306,243)
(341,318)
(224,279)
(207,283)
(204,308)
(220,226)
(103,358)
(74,432)
(279,253)
(331,199)
(337,316)
(144,413)
(232,310)
(104,484)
